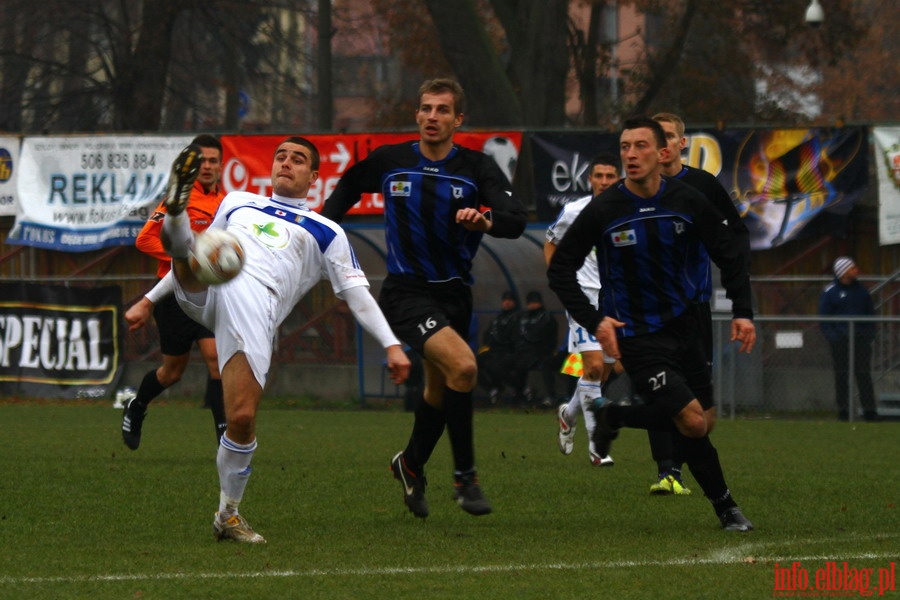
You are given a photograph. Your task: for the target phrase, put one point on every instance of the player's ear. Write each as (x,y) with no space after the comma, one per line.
(664,153)
(458,119)
(313,176)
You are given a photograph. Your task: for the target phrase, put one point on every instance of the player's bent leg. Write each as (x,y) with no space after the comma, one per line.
(242,394)
(691,420)
(452,355)
(172,369)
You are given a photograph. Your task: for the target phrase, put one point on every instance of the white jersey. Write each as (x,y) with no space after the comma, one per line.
(288,247)
(589,274)
(287,250)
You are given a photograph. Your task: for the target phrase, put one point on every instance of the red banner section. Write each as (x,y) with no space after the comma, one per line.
(248,160)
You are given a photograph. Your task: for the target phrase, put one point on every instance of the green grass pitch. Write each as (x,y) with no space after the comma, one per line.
(81,516)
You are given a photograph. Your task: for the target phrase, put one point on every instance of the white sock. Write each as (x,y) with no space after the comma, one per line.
(588,391)
(233,463)
(177,236)
(573,408)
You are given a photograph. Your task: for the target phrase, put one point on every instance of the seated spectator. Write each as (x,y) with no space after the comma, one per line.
(535,349)
(495,357)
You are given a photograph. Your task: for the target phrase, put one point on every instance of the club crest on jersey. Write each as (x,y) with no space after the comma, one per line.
(400,189)
(457,191)
(624,238)
(679,227)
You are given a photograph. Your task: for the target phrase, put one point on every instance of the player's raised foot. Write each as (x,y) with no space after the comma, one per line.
(566,431)
(184,173)
(734,520)
(669,484)
(413,486)
(236,528)
(600,461)
(132,420)
(468,494)
(604,434)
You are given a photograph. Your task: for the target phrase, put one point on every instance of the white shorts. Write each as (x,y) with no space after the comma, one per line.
(581,340)
(242,315)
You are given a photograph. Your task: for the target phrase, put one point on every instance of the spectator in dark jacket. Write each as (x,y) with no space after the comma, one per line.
(536,349)
(496,355)
(846,297)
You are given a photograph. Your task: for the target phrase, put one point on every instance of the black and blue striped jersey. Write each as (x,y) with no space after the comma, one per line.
(708,184)
(421,198)
(650,251)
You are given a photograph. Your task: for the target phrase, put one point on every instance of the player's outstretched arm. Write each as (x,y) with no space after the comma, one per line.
(139,313)
(369,315)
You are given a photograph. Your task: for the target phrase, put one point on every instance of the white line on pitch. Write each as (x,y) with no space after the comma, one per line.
(718,557)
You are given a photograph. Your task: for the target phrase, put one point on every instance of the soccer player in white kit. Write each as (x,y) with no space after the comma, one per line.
(603,171)
(288,248)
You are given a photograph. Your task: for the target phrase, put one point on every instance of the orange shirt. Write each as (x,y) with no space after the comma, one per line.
(201,209)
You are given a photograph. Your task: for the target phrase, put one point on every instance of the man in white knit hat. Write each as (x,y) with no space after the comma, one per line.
(847,297)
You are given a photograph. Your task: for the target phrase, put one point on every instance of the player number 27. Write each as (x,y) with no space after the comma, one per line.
(658,380)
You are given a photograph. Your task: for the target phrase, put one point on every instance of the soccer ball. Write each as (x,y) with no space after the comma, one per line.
(216,256)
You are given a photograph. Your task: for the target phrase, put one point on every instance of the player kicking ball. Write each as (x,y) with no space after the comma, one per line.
(287,249)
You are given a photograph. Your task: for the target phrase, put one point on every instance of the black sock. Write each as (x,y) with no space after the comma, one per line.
(703,461)
(149,389)
(662,450)
(215,400)
(428,427)
(459,411)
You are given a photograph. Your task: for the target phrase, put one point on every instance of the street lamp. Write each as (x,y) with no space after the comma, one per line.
(814,14)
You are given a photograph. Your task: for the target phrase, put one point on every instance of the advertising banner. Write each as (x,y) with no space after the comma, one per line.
(248,162)
(9,167)
(780,179)
(887,159)
(560,167)
(80,193)
(58,341)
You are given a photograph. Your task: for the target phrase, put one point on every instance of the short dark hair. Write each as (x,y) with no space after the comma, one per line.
(445,84)
(205,140)
(654,126)
(302,141)
(605,158)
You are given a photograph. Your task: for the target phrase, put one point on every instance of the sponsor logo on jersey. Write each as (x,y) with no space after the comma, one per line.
(273,234)
(400,189)
(624,238)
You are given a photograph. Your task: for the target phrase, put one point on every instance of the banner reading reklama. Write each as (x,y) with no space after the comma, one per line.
(58,341)
(80,193)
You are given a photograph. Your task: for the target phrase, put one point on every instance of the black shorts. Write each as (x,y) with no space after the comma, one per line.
(177,331)
(669,366)
(417,309)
